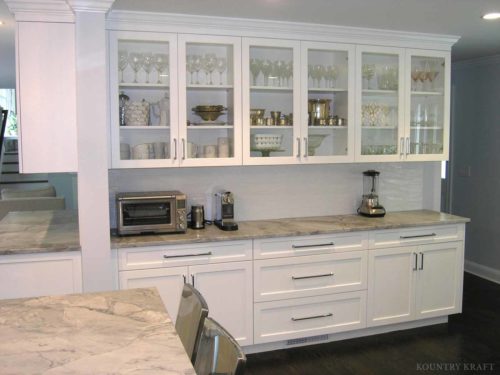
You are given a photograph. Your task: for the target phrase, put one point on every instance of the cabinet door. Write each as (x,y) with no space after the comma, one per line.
(144,108)
(227,288)
(427,105)
(209,100)
(440,280)
(46,94)
(168,281)
(32,275)
(271,103)
(379,103)
(327,102)
(391,278)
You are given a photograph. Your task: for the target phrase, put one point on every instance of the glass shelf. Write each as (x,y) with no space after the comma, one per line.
(151,127)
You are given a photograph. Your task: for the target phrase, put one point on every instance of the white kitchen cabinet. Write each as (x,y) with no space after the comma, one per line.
(32,275)
(46,97)
(402,104)
(271,85)
(143,67)
(221,271)
(209,75)
(327,102)
(414,282)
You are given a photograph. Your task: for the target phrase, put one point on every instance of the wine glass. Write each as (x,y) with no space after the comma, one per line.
(266,69)
(277,70)
(221,66)
(368,71)
(147,63)
(208,63)
(197,63)
(318,73)
(430,73)
(332,73)
(190,67)
(255,68)
(161,64)
(415,76)
(135,60)
(122,62)
(288,72)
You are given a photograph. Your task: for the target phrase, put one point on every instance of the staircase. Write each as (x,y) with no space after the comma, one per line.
(11,178)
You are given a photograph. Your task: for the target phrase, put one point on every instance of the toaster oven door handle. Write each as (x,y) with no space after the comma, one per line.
(151,197)
(314,245)
(187,255)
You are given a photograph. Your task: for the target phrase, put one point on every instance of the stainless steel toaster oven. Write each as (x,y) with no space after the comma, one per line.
(151,212)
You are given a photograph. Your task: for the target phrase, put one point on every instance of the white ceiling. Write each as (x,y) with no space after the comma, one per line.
(454,17)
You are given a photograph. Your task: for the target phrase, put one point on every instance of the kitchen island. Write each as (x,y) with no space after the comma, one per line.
(119,332)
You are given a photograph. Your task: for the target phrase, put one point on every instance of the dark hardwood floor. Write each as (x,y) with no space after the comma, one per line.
(469,343)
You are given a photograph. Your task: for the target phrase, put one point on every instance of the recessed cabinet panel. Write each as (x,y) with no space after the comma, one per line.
(143,99)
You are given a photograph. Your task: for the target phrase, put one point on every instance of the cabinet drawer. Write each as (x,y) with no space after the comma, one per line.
(416,236)
(317,274)
(311,316)
(307,245)
(182,255)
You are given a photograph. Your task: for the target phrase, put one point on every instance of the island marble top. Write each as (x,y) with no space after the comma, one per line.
(294,227)
(30,232)
(121,332)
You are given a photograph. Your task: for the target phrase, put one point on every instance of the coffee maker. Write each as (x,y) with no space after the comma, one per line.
(224,211)
(369,204)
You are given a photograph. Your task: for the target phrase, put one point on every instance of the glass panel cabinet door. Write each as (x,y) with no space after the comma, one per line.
(271,114)
(380,113)
(327,122)
(143,99)
(210,100)
(428,104)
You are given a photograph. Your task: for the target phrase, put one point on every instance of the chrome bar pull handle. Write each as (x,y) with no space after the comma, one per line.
(312,317)
(316,245)
(312,276)
(187,255)
(175,148)
(418,236)
(306,147)
(183,149)
(401,147)
(421,261)
(416,262)
(192,280)
(407,146)
(184,278)
(298,150)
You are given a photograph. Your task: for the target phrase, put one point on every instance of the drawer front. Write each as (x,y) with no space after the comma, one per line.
(416,236)
(307,245)
(311,316)
(183,255)
(295,277)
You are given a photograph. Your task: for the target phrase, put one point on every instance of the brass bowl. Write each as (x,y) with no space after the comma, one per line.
(209,116)
(257,113)
(209,108)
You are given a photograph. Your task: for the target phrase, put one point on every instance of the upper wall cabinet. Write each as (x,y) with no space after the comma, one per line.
(402,104)
(46,97)
(143,90)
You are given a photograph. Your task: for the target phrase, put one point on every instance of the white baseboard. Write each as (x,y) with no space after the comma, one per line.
(488,273)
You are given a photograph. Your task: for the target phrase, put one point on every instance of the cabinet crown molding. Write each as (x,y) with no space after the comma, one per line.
(97,6)
(243,27)
(41,10)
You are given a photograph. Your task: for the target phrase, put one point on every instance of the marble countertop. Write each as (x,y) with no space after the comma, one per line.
(30,232)
(294,227)
(127,331)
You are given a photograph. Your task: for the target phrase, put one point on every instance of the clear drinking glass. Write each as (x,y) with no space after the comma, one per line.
(332,73)
(122,62)
(221,66)
(208,63)
(161,64)
(135,60)
(266,69)
(368,71)
(197,63)
(147,63)
(255,68)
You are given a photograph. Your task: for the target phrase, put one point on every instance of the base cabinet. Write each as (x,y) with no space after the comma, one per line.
(414,282)
(226,284)
(33,275)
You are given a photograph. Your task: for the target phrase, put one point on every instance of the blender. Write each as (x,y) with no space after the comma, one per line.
(369,204)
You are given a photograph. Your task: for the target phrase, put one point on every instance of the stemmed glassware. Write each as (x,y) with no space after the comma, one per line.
(122,62)
(415,76)
(197,63)
(221,66)
(266,68)
(255,68)
(147,63)
(331,75)
(278,71)
(135,60)
(368,71)
(288,72)
(190,67)
(208,63)
(318,72)
(161,64)
(431,73)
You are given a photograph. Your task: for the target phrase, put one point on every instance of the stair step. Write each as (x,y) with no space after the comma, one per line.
(10,168)
(10,158)
(24,185)
(11,162)
(16,177)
